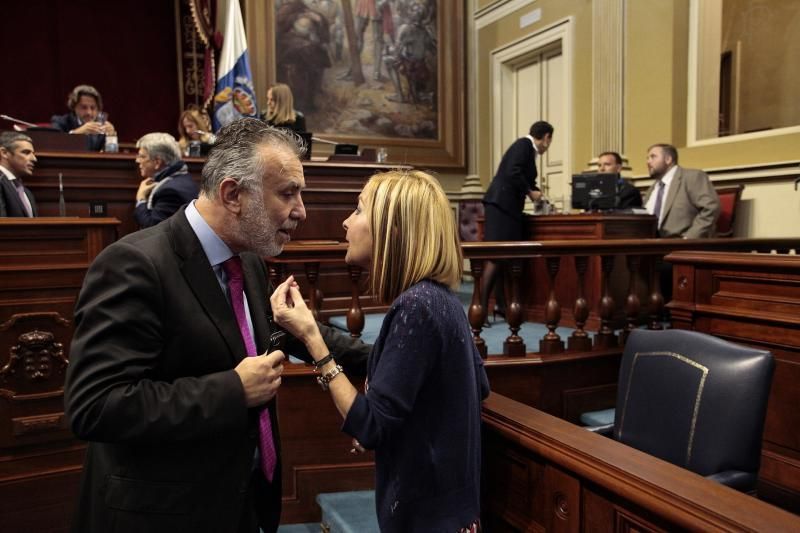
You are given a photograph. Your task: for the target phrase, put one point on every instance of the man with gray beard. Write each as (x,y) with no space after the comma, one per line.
(170,379)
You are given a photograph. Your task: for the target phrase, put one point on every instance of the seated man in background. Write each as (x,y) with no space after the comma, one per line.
(85,117)
(627,195)
(17,159)
(683,199)
(167,184)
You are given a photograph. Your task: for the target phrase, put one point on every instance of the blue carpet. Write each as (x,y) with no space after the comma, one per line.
(349,512)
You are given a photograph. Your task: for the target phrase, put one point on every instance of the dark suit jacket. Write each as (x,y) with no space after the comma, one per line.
(505,199)
(151,385)
(69,122)
(691,207)
(175,188)
(516,175)
(627,195)
(10,204)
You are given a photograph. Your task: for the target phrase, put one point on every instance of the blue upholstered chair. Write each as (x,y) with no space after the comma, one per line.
(696,401)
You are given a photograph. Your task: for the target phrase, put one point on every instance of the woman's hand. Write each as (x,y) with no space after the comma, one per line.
(290,311)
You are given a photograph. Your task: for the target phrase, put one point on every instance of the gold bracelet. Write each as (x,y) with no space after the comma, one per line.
(325,379)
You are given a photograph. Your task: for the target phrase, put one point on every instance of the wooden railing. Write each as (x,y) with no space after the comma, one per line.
(544,474)
(753,299)
(642,259)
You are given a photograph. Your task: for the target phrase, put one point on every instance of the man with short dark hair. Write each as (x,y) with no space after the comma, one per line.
(166,184)
(17,160)
(627,195)
(85,117)
(169,378)
(504,201)
(683,199)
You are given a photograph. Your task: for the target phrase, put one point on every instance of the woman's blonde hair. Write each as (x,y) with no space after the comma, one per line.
(414,233)
(200,119)
(284,105)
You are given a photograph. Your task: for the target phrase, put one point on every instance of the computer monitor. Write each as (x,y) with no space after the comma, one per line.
(594,192)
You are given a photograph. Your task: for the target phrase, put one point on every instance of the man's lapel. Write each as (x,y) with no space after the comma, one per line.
(13,201)
(201,279)
(260,310)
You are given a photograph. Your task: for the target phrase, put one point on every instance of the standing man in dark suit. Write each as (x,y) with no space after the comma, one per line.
(167,184)
(168,377)
(17,160)
(627,195)
(504,201)
(85,117)
(683,199)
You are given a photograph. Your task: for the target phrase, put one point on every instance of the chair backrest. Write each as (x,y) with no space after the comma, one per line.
(694,400)
(728,200)
(468,213)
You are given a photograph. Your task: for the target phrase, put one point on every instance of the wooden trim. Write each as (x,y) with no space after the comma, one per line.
(673,493)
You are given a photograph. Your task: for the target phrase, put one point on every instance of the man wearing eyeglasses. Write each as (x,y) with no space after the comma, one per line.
(166,184)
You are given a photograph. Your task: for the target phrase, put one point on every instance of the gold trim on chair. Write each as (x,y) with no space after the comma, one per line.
(697,399)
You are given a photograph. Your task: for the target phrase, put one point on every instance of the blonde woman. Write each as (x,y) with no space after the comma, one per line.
(420,411)
(280,109)
(193,125)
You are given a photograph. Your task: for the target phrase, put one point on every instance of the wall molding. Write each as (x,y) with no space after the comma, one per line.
(497,11)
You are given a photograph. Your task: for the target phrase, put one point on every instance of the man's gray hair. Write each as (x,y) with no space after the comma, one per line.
(160,145)
(235,154)
(9,138)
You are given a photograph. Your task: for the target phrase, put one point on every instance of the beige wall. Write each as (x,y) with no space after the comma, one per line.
(769,32)
(656,83)
(505,32)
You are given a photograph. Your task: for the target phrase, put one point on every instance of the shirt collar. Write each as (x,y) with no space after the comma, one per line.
(535,149)
(10,175)
(215,249)
(667,179)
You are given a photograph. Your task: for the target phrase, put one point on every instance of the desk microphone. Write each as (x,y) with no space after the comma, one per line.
(62,208)
(323,141)
(18,121)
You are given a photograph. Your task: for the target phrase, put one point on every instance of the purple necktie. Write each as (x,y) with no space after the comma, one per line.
(233,269)
(23,198)
(659,198)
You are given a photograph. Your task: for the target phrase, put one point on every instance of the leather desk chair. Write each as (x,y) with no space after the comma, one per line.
(728,201)
(696,401)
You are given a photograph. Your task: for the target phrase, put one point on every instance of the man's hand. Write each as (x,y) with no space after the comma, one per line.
(261,377)
(145,188)
(88,128)
(535,195)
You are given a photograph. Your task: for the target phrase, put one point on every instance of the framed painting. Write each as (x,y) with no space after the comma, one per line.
(377,73)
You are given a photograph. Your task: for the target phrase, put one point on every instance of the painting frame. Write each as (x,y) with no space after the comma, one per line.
(447,149)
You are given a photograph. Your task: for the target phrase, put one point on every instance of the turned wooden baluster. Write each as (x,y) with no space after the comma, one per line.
(579,340)
(514,345)
(314,294)
(632,304)
(656,306)
(606,338)
(477,314)
(551,342)
(277,272)
(355,315)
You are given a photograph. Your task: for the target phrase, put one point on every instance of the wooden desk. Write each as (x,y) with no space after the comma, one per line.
(540,473)
(580,227)
(331,193)
(43,264)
